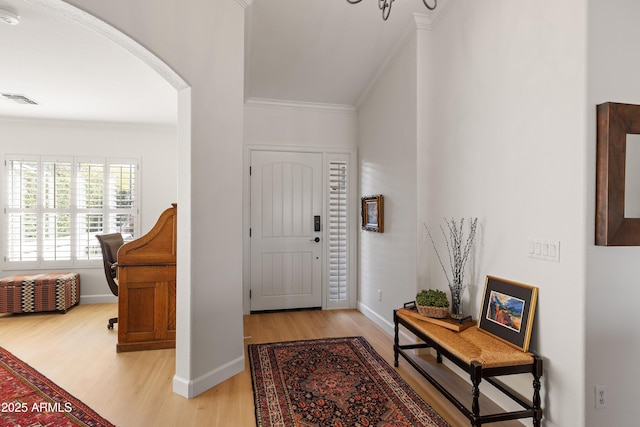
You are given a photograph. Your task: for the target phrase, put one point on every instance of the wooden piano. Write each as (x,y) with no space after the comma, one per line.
(147,288)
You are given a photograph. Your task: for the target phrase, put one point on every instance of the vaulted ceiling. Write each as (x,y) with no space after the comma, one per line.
(322,51)
(306,51)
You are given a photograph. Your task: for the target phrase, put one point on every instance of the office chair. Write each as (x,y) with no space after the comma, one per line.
(109,244)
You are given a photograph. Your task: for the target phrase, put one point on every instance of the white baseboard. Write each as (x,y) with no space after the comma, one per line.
(376,318)
(192,388)
(98,299)
(387,326)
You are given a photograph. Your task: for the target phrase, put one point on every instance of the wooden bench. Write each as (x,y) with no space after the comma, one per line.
(480,355)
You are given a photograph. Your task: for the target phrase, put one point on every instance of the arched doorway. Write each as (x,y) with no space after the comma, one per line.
(183,139)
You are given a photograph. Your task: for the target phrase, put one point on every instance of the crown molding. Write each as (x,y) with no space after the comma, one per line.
(422,21)
(300,105)
(80,124)
(245,3)
(441,10)
(429,20)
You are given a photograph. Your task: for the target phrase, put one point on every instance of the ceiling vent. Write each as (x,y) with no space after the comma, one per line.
(20,99)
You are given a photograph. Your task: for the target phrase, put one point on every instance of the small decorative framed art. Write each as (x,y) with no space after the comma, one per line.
(373,213)
(507,311)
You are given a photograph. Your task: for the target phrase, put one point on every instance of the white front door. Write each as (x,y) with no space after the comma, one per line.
(286,242)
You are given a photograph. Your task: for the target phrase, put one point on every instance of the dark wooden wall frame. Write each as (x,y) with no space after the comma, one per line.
(615,122)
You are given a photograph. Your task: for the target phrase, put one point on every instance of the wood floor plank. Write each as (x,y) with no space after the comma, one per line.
(77,351)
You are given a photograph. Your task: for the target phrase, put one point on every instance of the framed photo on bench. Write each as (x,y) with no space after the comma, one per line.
(507,311)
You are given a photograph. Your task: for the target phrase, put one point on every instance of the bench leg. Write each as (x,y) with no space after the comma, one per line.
(396,340)
(537,406)
(476,378)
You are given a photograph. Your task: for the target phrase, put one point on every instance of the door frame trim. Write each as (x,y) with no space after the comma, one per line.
(353,206)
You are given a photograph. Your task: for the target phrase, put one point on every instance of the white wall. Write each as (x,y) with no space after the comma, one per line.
(299,125)
(502,128)
(205,47)
(508,146)
(154,146)
(387,154)
(612,272)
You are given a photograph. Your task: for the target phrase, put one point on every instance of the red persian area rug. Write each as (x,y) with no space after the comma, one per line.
(337,382)
(28,399)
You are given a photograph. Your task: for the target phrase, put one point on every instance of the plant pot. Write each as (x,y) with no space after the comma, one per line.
(436,312)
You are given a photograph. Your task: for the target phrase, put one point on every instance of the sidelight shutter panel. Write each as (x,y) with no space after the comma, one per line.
(338,237)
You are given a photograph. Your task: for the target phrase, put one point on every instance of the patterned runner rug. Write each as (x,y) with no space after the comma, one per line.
(338,382)
(29,399)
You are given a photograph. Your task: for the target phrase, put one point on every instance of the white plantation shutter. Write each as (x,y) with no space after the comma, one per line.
(122,190)
(56,206)
(338,232)
(90,202)
(22,209)
(56,210)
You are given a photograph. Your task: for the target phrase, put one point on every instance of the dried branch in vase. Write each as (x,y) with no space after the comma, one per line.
(457,248)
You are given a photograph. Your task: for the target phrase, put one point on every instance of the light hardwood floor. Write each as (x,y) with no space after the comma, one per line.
(77,352)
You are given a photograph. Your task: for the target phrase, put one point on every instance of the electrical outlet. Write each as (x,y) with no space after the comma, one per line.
(379,294)
(601,396)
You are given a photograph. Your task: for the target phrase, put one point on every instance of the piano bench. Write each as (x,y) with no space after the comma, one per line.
(33,293)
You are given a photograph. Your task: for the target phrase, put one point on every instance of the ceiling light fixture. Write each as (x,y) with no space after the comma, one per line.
(9,17)
(385,6)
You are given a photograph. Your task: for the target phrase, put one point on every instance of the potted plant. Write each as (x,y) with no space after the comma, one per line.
(432,303)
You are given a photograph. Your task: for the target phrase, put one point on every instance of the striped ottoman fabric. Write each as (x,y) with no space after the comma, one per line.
(31,293)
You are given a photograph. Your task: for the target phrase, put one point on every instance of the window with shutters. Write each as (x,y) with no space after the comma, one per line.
(56,206)
(338,234)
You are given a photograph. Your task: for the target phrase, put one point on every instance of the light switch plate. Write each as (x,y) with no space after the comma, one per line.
(545,249)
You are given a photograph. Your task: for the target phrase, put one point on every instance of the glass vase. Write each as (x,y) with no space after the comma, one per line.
(456,303)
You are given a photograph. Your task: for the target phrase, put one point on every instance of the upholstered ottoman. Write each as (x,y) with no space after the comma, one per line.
(31,293)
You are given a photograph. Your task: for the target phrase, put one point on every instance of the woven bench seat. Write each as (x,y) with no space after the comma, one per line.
(32,293)
(471,345)
(479,354)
